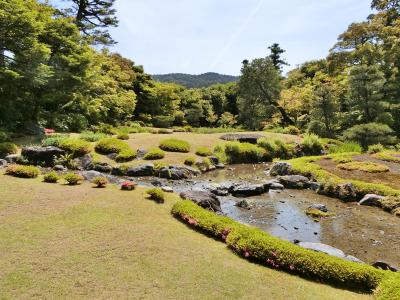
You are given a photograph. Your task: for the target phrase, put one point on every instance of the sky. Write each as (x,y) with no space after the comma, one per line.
(198,36)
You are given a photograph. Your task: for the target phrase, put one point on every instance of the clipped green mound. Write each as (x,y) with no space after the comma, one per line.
(76,147)
(23,171)
(175,145)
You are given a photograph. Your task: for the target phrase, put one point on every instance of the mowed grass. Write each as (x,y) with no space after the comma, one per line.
(63,242)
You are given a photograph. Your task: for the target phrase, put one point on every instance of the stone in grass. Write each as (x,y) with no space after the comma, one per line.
(319,247)
(39,155)
(143,170)
(371,200)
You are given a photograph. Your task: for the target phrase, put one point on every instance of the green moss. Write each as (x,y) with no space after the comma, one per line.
(190,161)
(364,166)
(126,155)
(203,151)
(76,147)
(154,154)
(244,153)
(110,145)
(175,145)
(22,171)
(255,244)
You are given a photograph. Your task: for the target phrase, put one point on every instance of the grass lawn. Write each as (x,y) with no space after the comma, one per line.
(59,241)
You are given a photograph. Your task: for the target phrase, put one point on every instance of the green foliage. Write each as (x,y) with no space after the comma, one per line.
(346,147)
(73,179)
(156,194)
(76,147)
(8,148)
(54,140)
(190,161)
(207,130)
(100,182)
(163,121)
(123,136)
(244,153)
(369,134)
(154,154)
(376,148)
(389,287)
(4,136)
(276,148)
(125,155)
(364,166)
(312,145)
(388,156)
(252,243)
(22,171)
(90,136)
(175,145)
(110,145)
(66,160)
(196,81)
(203,151)
(51,177)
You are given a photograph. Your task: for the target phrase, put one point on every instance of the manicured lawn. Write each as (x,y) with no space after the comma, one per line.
(59,241)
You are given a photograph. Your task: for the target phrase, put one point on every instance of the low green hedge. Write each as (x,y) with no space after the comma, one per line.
(23,171)
(254,244)
(8,148)
(237,152)
(76,147)
(110,145)
(203,151)
(175,145)
(154,154)
(126,155)
(389,288)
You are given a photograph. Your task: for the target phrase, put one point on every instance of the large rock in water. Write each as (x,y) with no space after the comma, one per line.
(204,199)
(273,185)
(280,169)
(178,172)
(371,200)
(248,190)
(294,181)
(139,171)
(319,247)
(42,155)
(242,137)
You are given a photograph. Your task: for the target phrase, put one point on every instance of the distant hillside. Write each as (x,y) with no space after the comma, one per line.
(196,81)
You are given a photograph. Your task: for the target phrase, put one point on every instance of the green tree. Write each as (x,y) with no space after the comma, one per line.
(276,56)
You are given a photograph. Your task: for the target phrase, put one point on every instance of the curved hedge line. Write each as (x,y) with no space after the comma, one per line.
(389,288)
(252,243)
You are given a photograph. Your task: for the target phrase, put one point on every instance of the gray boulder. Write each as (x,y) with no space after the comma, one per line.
(220,166)
(141,153)
(346,192)
(280,169)
(178,172)
(119,170)
(204,199)
(385,266)
(90,175)
(248,190)
(243,204)
(102,167)
(167,189)
(42,155)
(214,160)
(294,181)
(220,189)
(84,163)
(12,158)
(371,200)
(139,171)
(59,168)
(273,185)
(315,186)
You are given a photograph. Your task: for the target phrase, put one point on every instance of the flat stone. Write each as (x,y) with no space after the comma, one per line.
(273,185)
(220,166)
(371,200)
(248,190)
(167,189)
(294,181)
(319,247)
(204,199)
(102,167)
(178,172)
(59,168)
(12,158)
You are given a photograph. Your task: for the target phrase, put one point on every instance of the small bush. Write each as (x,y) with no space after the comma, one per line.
(203,151)
(100,182)
(73,179)
(126,155)
(312,145)
(110,145)
(376,148)
(190,161)
(276,148)
(123,136)
(175,145)
(8,148)
(370,134)
(154,154)
(346,147)
(90,136)
(292,130)
(76,147)
(156,194)
(367,166)
(103,128)
(54,140)
(244,153)
(51,177)
(22,171)
(4,137)
(128,186)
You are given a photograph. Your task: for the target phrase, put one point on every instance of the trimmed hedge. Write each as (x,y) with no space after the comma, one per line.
(126,155)
(175,145)
(190,161)
(389,288)
(237,152)
(203,151)
(254,244)
(156,194)
(154,154)
(364,166)
(110,145)
(23,171)
(8,148)
(76,147)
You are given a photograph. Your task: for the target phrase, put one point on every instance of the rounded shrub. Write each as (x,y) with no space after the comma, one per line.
(110,145)
(190,161)
(312,145)
(244,153)
(376,148)
(73,179)
(203,151)
(156,194)
(51,177)
(100,182)
(370,134)
(76,147)
(23,171)
(154,154)
(126,155)
(8,148)
(175,145)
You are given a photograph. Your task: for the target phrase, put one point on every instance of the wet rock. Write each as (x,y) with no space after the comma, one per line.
(59,168)
(214,160)
(204,199)
(139,171)
(157,183)
(220,189)
(3,163)
(273,185)
(178,172)
(371,200)
(220,166)
(12,158)
(243,204)
(141,153)
(385,266)
(84,163)
(102,167)
(167,189)
(242,137)
(315,186)
(320,207)
(346,192)
(42,155)
(280,169)
(294,181)
(248,190)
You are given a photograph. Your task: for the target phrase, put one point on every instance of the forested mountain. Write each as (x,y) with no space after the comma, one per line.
(196,81)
